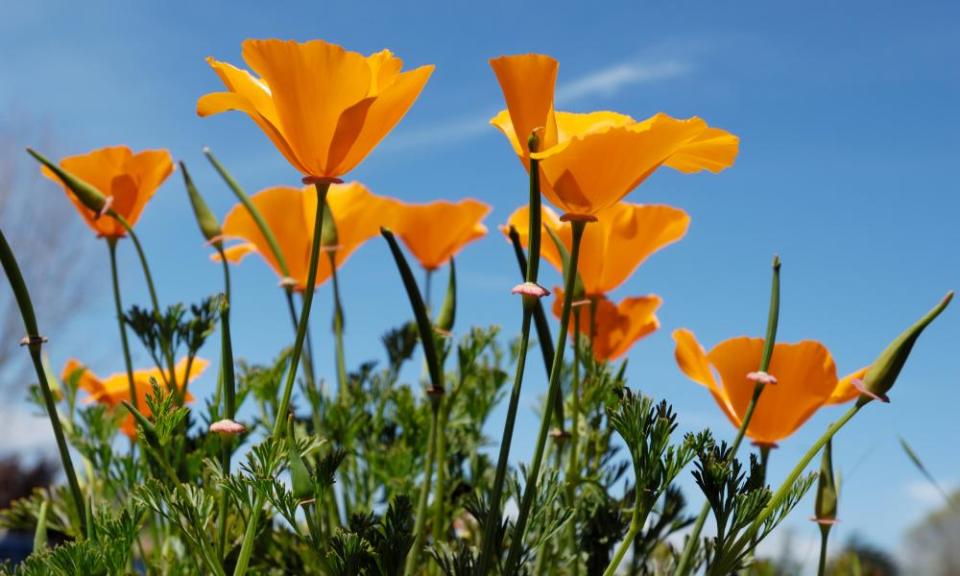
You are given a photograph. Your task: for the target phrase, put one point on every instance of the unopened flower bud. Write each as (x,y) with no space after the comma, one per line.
(209,226)
(825,508)
(88,195)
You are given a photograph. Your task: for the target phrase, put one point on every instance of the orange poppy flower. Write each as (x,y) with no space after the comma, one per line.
(129,180)
(325,108)
(115,388)
(806,380)
(589,162)
(290,214)
(611,249)
(436,231)
(617,326)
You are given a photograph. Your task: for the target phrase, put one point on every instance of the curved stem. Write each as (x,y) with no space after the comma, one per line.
(530,487)
(34,342)
(246,548)
(635,525)
(227,384)
(773,318)
(128,364)
(414,554)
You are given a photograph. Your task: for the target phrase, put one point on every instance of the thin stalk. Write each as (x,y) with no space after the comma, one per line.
(824,536)
(338,322)
(427,286)
(530,307)
(553,391)
(420,536)
(34,343)
(573,467)
(128,364)
(636,524)
(307,357)
(228,384)
(439,495)
(773,318)
(787,484)
(246,548)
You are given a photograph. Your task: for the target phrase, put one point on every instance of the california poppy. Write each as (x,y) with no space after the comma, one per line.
(611,249)
(616,327)
(325,108)
(128,180)
(114,389)
(290,213)
(436,231)
(806,380)
(589,162)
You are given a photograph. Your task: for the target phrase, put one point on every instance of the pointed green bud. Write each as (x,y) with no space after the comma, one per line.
(884,371)
(300,481)
(448,311)
(88,195)
(209,226)
(40,534)
(825,509)
(328,236)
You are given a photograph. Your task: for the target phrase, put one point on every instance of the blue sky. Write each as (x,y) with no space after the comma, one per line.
(846,112)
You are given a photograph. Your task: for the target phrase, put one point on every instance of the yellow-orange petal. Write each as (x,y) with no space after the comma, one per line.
(128,179)
(593,171)
(236,253)
(806,377)
(617,327)
(693,361)
(845,390)
(528,82)
(311,85)
(624,236)
(436,231)
(379,118)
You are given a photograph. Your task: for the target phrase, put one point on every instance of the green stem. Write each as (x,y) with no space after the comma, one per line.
(338,326)
(635,525)
(246,548)
(573,467)
(307,357)
(531,307)
(684,565)
(787,484)
(228,383)
(439,495)
(530,487)
(419,535)
(128,364)
(34,343)
(824,536)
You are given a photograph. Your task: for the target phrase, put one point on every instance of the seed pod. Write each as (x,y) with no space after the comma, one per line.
(883,372)
(328,236)
(300,480)
(448,311)
(88,195)
(826,504)
(209,226)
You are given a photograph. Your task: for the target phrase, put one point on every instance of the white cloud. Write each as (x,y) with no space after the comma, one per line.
(609,81)
(922,492)
(605,82)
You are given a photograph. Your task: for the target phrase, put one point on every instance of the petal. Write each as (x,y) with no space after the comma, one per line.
(311,84)
(806,377)
(385,112)
(571,124)
(593,171)
(250,95)
(282,209)
(436,231)
(623,238)
(845,390)
(713,150)
(693,361)
(235,253)
(636,318)
(148,170)
(98,168)
(528,83)
(358,215)
(197,368)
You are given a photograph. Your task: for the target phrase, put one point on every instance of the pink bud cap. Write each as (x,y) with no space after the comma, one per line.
(530,289)
(761,377)
(228,427)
